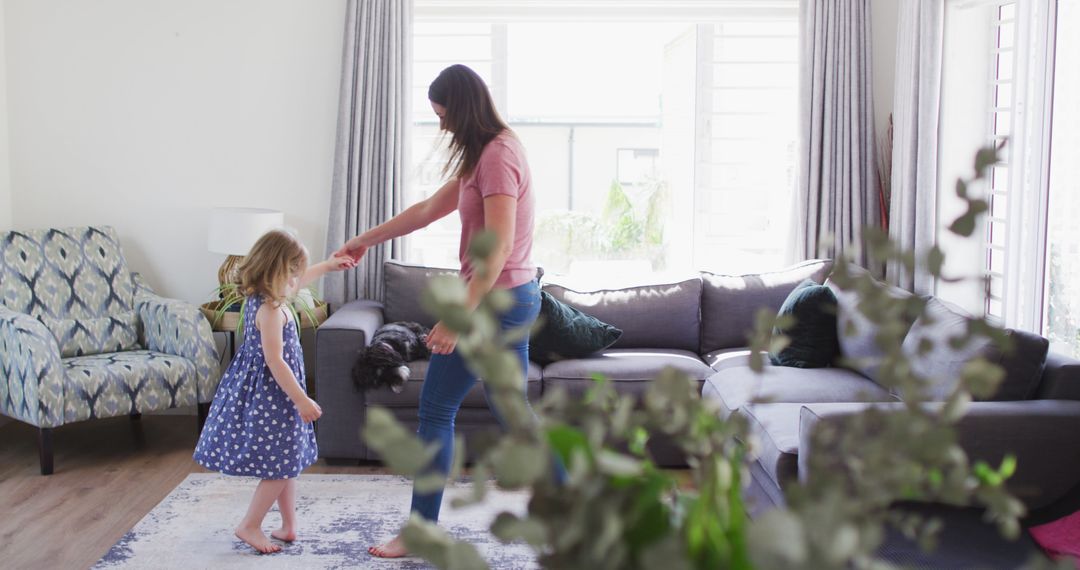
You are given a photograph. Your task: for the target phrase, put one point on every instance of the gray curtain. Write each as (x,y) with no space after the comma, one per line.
(370,159)
(917,105)
(837,194)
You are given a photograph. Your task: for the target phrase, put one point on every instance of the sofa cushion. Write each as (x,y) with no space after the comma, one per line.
(856,334)
(76,282)
(1060,378)
(122,383)
(812,338)
(729,302)
(1023,365)
(732,358)
(943,364)
(410,396)
(734,387)
(650,316)
(1035,432)
(776,429)
(630,369)
(405,284)
(565,332)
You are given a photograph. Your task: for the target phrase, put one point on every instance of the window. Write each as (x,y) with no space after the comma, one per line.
(1019,96)
(655,143)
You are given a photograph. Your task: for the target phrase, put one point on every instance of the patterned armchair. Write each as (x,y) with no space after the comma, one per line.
(82,337)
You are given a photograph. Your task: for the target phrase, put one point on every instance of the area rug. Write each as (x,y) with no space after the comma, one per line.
(339,517)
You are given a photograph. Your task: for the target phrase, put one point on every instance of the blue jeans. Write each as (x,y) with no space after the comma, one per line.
(447,382)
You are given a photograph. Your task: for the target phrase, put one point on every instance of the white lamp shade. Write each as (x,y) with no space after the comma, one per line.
(234,230)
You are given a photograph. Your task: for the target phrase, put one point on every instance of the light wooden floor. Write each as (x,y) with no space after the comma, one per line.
(109,474)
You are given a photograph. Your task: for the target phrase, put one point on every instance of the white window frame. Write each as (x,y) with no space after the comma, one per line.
(1027,156)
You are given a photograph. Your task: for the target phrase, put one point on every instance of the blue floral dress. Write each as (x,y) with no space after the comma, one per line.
(253,428)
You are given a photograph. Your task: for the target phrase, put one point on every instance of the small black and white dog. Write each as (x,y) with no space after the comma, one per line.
(384,362)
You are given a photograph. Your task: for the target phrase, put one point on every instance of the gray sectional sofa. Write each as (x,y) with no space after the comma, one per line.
(694,324)
(699,325)
(1034,415)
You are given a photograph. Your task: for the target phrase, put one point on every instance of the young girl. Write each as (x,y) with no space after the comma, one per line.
(260,422)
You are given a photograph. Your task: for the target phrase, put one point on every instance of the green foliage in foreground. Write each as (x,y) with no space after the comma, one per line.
(618,510)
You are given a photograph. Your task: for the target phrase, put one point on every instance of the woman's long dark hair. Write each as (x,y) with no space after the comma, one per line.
(470,116)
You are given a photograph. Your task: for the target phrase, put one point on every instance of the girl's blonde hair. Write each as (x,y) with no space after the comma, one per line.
(272,260)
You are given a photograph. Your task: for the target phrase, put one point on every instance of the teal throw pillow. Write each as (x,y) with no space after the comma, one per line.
(565,332)
(814,339)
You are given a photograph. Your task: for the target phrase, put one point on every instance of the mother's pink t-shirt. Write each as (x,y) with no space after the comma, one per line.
(502,169)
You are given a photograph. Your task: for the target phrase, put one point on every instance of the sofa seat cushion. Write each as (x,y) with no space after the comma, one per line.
(122,383)
(665,315)
(730,302)
(734,388)
(732,358)
(776,429)
(410,396)
(630,369)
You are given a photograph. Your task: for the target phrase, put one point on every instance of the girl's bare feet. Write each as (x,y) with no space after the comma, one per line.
(256,539)
(393,549)
(284,535)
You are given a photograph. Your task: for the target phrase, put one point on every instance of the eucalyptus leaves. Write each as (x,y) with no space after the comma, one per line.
(618,510)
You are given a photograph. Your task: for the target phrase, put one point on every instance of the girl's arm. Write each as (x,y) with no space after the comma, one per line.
(419,215)
(271,321)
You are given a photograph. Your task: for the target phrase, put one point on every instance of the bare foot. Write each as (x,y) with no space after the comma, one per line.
(393,549)
(256,539)
(284,535)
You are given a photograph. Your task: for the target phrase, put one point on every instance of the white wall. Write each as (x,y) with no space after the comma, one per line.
(144,114)
(884,19)
(5,157)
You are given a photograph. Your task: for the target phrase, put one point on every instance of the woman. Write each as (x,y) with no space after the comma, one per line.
(491,188)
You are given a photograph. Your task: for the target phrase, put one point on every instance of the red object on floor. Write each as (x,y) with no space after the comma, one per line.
(1060,538)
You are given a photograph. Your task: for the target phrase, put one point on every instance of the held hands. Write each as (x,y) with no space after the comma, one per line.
(309,410)
(441,340)
(353,249)
(339,262)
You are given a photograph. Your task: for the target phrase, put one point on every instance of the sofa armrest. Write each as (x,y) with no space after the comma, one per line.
(178,328)
(31,371)
(1060,378)
(1043,435)
(336,342)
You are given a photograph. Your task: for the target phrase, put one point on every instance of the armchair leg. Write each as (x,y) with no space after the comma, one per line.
(204,410)
(45,450)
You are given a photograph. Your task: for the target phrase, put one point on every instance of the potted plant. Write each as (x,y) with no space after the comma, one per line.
(226,313)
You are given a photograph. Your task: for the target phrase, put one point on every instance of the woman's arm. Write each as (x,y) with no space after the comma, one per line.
(500,217)
(419,215)
(271,321)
